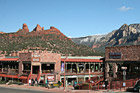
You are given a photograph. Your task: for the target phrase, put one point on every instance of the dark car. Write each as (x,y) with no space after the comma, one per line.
(136,88)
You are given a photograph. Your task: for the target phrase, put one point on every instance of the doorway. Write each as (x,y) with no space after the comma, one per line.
(35,69)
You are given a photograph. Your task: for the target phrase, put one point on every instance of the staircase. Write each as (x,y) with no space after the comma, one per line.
(38,76)
(33,76)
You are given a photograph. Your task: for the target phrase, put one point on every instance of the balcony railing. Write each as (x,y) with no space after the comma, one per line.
(26,72)
(12,71)
(47,71)
(5,70)
(81,71)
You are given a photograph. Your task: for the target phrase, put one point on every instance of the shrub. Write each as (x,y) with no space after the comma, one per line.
(2,82)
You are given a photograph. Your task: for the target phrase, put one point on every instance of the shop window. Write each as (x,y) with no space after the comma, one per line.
(48,68)
(27,66)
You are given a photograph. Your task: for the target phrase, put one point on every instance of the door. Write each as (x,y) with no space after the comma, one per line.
(35,69)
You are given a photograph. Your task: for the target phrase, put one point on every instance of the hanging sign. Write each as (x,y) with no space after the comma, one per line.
(35,59)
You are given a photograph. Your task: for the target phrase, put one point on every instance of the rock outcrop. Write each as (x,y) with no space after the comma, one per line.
(1,32)
(25,28)
(38,28)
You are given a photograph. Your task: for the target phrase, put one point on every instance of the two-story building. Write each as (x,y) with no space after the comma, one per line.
(122,62)
(41,65)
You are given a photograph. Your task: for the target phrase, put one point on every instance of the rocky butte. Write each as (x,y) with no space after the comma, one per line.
(38,28)
(24,29)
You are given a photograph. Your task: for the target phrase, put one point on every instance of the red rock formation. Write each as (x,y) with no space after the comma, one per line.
(1,32)
(53,29)
(25,28)
(42,28)
(37,28)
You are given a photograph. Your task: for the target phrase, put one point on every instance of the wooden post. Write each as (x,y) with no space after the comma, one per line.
(64,73)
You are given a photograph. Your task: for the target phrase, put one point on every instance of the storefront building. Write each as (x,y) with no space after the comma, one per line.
(81,68)
(41,65)
(122,62)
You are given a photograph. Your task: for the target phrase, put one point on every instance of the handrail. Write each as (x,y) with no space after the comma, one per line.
(98,81)
(38,76)
(28,77)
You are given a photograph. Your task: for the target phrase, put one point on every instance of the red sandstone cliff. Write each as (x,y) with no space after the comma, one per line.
(24,29)
(1,32)
(38,28)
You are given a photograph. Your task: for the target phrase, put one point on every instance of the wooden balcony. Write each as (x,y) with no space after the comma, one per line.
(12,71)
(48,71)
(26,72)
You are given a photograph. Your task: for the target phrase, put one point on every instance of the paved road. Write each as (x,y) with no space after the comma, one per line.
(14,90)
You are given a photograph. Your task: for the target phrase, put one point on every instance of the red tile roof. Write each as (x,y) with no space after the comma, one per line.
(13,76)
(9,59)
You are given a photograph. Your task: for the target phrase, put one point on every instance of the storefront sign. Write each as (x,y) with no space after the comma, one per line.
(115,55)
(48,64)
(36,63)
(124,68)
(36,56)
(51,78)
(81,65)
(35,59)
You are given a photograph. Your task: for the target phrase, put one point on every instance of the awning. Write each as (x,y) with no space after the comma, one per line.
(9,59)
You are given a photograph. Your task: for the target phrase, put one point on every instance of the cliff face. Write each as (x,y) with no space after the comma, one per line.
(125,35)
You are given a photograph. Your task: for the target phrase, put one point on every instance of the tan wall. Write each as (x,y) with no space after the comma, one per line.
(25,56)
(128,53)
(46,57)
(52,57)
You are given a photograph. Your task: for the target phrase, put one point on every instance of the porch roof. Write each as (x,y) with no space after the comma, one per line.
(9,59)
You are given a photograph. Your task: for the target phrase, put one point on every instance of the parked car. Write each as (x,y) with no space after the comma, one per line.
(136,88)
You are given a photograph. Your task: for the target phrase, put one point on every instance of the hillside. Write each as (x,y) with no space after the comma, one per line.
(125,35)
(51,40)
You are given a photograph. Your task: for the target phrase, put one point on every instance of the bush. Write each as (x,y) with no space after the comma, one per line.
(2,82)
(84,86)
(15,82)
(56,85)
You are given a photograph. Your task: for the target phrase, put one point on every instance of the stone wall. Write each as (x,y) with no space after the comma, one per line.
(128,53)
(25,56)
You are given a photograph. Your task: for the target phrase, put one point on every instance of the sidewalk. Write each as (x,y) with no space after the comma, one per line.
(57,90)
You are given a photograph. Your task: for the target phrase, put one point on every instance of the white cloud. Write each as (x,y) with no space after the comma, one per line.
(69,37)
(124,8)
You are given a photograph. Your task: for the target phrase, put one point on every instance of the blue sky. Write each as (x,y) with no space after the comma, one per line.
(74,18)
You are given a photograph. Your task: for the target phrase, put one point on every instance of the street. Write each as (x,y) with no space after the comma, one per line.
(14,90)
